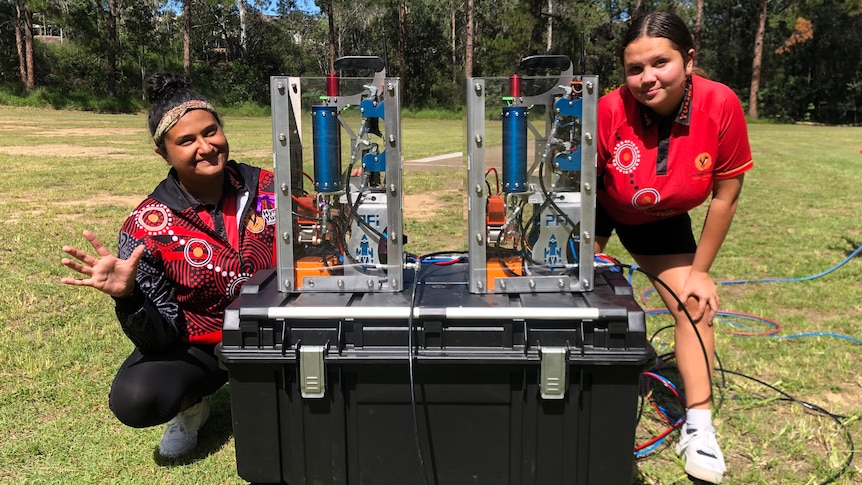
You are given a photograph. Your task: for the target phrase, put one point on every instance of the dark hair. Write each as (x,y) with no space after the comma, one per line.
(659,24)
(166,90)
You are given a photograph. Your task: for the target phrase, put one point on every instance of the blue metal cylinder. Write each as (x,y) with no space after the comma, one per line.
(326,152)
(514,149)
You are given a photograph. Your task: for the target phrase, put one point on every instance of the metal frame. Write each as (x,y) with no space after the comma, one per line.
(476,91)
(287,145)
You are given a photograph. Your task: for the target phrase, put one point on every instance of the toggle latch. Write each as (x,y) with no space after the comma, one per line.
(312,372)
(554,368)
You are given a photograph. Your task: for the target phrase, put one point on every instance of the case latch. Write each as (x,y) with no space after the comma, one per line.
(554,368)
(312,372)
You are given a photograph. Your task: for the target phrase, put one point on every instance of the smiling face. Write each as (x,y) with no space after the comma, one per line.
(196,147)
(656,73)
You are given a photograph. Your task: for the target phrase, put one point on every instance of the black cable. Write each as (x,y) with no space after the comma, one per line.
(838,419)
(664,359)
(690,319)
(410,357)
(355,215)
(654,335)
(549,201)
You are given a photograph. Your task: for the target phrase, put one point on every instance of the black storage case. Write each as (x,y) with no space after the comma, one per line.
(481,365)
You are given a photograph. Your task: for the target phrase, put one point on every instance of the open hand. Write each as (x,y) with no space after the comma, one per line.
(104,271)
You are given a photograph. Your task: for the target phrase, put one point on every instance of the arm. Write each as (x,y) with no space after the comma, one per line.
(722,207)
(150,315)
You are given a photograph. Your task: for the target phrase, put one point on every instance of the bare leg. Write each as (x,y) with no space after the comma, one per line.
(696,373)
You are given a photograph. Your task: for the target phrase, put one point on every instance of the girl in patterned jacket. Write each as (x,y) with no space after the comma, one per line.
(182,256)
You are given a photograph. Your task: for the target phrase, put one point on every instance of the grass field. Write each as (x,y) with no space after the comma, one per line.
(62,172)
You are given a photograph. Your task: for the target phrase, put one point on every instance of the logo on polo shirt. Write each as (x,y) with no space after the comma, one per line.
(645,198)
(703,162)
(626,156)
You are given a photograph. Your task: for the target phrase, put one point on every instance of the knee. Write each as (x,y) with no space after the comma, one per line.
(137,408)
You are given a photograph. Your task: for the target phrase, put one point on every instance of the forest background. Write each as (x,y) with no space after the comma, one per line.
(788,60)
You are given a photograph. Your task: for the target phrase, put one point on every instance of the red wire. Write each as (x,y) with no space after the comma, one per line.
(496,176)
(305,174)
(672,426)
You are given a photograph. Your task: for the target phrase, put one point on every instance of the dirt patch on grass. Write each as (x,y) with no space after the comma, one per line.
(39,130)
(130,201)
(419,207)
(62,150)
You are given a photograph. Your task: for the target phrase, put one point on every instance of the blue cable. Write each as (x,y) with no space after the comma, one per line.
(793,280)
(775,328)
(763,320)
(819,334)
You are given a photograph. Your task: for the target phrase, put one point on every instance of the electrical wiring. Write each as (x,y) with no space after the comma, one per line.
(302,172)
(773,327)
(410,359)
(794,280)
(674,422)
(750,326)
(728,318)
(496,177)
(688,316)
(429,258)
(837,418)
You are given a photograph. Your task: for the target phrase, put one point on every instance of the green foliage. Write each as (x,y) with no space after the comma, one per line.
(71,68)
(432,114)
(820,66)
(8,52)
(83,100)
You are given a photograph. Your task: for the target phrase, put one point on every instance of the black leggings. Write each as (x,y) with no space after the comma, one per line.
(149,389)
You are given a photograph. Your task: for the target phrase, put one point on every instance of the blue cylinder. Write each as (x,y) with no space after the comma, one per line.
(327,150)
(514,149)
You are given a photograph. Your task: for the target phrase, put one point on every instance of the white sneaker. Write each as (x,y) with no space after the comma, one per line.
(181,435)
(702,455)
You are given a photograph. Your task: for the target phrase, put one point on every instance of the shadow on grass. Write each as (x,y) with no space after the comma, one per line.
(215,433)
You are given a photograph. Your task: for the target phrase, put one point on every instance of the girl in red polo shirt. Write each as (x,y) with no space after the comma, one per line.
(668,139)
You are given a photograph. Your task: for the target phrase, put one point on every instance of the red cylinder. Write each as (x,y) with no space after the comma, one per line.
(515,85)
(332,84)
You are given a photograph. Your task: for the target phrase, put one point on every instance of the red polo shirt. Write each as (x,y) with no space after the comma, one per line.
(650,169)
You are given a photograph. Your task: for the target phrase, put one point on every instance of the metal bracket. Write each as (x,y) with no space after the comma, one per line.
(554,367)
(312,372)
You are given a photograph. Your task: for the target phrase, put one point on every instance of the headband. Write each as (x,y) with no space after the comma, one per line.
(171,116)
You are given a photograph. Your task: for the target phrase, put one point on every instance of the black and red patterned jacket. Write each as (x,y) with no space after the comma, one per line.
(190,272)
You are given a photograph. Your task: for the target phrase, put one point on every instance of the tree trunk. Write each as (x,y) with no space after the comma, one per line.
(242,34)
(111,82)
(468,48)
(550,42)
(402,41)
(454,53)
(19,44)
(758,60)
(30,81)
(538,34)
(698,30)
(187,38)
(331,20)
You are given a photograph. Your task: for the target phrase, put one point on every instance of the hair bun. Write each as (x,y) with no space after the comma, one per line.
(160,84)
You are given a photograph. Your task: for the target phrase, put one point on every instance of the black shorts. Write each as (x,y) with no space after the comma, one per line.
(664,236)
